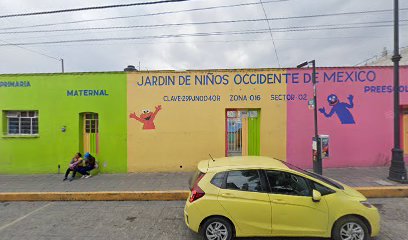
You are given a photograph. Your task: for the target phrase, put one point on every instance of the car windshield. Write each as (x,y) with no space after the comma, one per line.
(315,175)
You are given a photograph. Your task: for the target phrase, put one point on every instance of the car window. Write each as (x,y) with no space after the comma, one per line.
(218,179)
(315,175)
(245,180)
(322,189)
(194,178)
(287,183)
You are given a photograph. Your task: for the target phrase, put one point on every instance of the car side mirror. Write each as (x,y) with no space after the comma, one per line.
(316,196)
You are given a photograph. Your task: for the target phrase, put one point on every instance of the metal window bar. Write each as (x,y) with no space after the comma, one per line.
(24,121)
(234,136)
(19,125)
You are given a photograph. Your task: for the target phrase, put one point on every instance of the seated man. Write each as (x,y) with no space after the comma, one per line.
(89,165)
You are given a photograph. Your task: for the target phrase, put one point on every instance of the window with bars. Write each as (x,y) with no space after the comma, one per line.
(22,122)
(91,123)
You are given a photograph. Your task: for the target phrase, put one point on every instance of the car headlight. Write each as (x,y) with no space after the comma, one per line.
(366,203)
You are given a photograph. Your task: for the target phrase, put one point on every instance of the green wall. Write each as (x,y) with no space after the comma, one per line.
(48,95)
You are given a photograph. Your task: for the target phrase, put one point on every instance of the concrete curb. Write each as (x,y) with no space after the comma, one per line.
(369,192)
(95,196)
(384,192)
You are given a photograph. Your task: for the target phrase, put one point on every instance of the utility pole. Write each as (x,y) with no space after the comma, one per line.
(317,163)
(62,65)
(397,170)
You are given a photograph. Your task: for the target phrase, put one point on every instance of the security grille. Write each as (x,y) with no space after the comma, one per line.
(234,131)
(22,122)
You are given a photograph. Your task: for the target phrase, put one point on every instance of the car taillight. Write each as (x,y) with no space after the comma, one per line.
(196,191)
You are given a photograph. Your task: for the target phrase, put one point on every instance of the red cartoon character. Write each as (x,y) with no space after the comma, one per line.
(147,118)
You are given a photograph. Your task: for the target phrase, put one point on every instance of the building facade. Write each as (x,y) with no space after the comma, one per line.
(48,117)
(153,121)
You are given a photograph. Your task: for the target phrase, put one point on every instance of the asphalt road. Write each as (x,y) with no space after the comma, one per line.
(137,220)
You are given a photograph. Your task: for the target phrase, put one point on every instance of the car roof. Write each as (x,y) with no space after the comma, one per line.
(240,162)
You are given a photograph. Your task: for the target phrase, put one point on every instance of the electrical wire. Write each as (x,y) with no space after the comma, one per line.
(48,36)
(189,23)
(142,15)
(221,41)
(129,28)
(180,24)
(202,34)
(270,32)
(91,8)
(30,50)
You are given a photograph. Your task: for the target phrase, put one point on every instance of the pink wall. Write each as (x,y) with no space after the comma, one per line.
(368,142)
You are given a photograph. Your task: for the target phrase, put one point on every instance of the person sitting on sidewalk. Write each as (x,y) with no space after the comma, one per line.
(73,164)
(90,162)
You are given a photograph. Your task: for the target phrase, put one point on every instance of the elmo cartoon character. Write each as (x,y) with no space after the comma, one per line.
(147,118)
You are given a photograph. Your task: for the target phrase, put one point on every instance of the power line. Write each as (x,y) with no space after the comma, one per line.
(126,30)
(201,23)
(203,34)
(148,37)
(143,15)
(279,29)
(188,23)
(270,32)
(183,24)
(90,8)
(30,50)
(223,41)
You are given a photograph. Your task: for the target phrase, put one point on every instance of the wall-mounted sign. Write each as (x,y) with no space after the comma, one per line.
(310,104)
(87,93)
(15,84)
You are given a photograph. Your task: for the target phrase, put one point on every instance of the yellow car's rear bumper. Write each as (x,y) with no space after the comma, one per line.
(192,217)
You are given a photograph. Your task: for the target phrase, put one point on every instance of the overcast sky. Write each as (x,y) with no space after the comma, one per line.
(339,47)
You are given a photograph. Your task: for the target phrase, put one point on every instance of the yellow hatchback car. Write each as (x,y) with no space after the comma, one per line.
(259,196)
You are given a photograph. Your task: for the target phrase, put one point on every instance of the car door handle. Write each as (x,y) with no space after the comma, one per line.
(227,195)
(278,201)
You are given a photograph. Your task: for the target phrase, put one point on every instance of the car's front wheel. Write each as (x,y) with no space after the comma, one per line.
(350,228)
(217,228)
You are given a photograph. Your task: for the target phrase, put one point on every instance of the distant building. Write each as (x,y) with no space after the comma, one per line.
(384,59)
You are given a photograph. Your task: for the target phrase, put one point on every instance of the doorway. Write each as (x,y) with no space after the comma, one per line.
(242,132)
(405,130)
(90,133)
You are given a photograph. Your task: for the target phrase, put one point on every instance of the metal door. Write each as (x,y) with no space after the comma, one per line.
(234,133)
(242,132)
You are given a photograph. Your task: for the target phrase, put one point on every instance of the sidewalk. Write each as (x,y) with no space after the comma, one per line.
(354,177)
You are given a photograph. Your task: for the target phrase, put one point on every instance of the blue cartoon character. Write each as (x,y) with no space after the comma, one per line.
(340,108)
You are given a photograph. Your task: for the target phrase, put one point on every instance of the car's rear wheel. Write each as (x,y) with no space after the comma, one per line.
(350,228)
(217,228)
